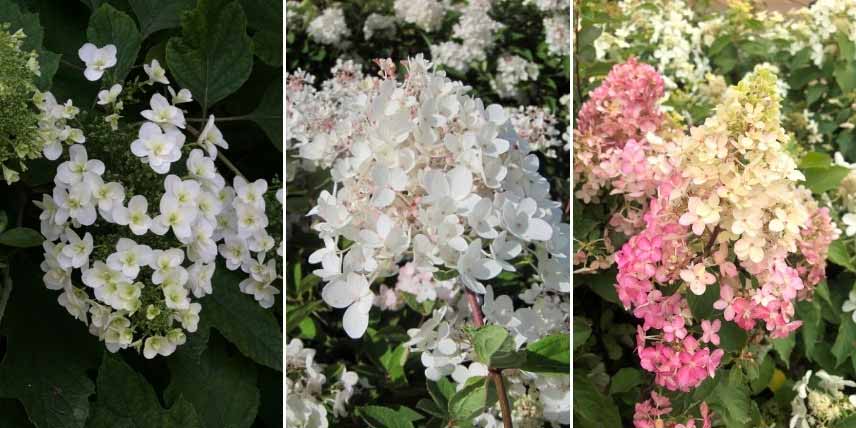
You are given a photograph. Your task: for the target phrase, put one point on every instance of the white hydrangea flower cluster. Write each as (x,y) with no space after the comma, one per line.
(537,126)
(330,27)
(821,405)
(311,114)
(304,389)
(54,129)
(378,23)
(476,31)
(815,27)
(293,14)
(446,351)
(557,34)
(425,14)
(669,28)
(847,207)
(511,71)
(142,267)
(548,5)
(430,174)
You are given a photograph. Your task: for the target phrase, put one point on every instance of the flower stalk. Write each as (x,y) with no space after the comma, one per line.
(495,374)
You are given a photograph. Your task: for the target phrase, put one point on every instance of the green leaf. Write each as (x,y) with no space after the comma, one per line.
(625,380)
(264,14)
(271,411)
(216,374)
(445,275)
(588,35)
(424,308)
(731,400)
(809,313)
(268,114)
(156,15)
(845,341)
(726,59)
(813,93)
(765,373)
(441,392)
(295,314)
(29,22)
(702,306)
(848,422)
(308,329)
(591,408)
(125,399)
(471,400)
(720,43)
(582,331)
(253,329)
(393,361)
(21,237)
(47,356)
(732,338)
(431,408)
(815,160)
(111,26)
(846,49)
(820,180)
(385,417)
(92,4)
(14,415)
(839,255)
(267,45)
(488,340)
(784,347)
(213,57)
(549,354)
(845,75)
(495,347)
(602,283)
(4,220)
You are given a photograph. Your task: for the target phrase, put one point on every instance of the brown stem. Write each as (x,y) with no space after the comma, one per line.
(713,236)
(495,374)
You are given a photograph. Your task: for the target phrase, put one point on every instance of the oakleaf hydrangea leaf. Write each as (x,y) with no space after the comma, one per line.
(156,15)
(254,330)
(125,399)
(213,57)
(215,375)
(47,357)
(268,115)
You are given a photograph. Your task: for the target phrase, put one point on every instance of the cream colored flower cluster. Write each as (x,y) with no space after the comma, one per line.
(740,180)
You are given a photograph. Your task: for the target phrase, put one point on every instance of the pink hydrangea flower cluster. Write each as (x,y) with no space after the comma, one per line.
(621,147)
(654,413)
(422,285)
(702,229)
(611,143)
(814,246)
(657,256)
